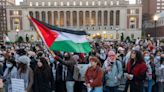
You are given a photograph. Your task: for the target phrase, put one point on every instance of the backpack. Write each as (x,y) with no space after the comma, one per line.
(76,73)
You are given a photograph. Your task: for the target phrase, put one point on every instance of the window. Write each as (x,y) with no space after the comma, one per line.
(118,2)
(74,3)
(132,11)
(37,3)
(30,3)
(158,7)
(162,3)
(16,12)
(158,3)
(43,3)
(99,3)
(61,3)
(87,3)
(111,3)
(105,3)
(81,3)
(68,4)
(55,3)
(93,3)
(49,3)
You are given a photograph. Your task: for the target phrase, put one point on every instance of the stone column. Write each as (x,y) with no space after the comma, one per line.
(58,18)
(65,19)
(71,19)
(84,22)
(52,17)
(77,18)
(102,18)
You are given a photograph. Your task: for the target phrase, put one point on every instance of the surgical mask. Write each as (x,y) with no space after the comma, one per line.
(51,59)
(158,58)
(147,58)
(102,51)
(9,65)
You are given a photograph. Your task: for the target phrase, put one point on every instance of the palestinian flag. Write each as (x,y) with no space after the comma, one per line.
(60,39)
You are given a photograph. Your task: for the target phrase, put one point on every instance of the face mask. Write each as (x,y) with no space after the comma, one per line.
(9,65)
(102,51)
(52,60)
(158,57)
(147,58)
(2,58)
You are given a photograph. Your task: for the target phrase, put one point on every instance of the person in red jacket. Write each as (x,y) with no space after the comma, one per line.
(94,76)
(136,72)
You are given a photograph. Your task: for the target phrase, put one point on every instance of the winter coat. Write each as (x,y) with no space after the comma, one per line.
(112,78)
(43,82)
(138,70)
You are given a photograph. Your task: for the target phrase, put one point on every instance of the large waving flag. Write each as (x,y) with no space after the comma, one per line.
(62,39)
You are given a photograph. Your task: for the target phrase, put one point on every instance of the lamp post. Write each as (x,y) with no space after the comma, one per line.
(155,21)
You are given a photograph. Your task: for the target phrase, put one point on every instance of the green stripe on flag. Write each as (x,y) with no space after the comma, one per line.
(70,46)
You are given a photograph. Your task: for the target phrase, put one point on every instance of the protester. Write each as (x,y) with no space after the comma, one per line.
(148,81)
(43,77)
(113,72)
(136,72)
(10,72)
(160,76)
(25,72)
(94,76)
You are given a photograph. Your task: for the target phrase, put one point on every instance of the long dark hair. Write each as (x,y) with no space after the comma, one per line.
(139,56)
(45,69)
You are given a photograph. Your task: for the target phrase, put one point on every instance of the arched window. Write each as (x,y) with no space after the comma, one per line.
(43,16)
(74,18)
(111,18)
(93,20)
(61,18)
(37,15)
(68,20)
(49,14)
(31,13)
(105,18)
(81,18)
(99,18)
(117,17)
(56,21)
(87,18)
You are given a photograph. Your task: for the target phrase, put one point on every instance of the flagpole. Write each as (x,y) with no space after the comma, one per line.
(29,17)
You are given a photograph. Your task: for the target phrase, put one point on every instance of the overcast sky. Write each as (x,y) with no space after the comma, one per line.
(17,1)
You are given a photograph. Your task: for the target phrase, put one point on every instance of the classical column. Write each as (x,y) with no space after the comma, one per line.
(109,18)
(65,20)
(71,19)
(77,18)
(84,22)
(58,22)
(46,15)
(97,18)
(114,17)
(102,18)
(52,17)
(90,18)
(34,15)
(40,15)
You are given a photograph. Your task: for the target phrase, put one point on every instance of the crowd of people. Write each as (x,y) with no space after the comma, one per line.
(112,67)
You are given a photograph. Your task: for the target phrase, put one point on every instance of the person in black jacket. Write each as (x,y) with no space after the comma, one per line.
(43,77)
